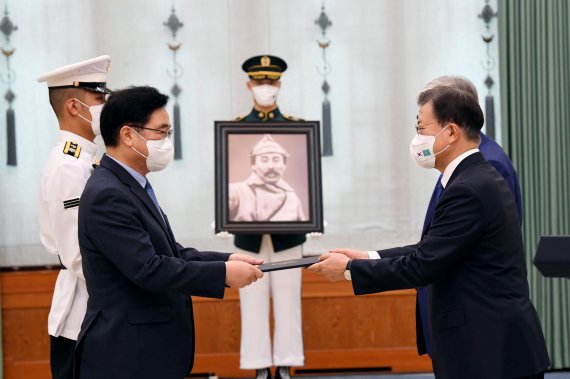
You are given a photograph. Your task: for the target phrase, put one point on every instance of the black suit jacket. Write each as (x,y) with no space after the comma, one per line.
(482,323)
(252,242)
(139,320)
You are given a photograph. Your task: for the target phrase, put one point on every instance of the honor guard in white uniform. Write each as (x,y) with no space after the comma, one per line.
(77,93)
(284,287)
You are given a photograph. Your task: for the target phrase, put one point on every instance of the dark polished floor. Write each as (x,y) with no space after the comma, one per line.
(550,375)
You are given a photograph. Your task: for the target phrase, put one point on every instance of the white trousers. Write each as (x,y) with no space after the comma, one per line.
(284,287)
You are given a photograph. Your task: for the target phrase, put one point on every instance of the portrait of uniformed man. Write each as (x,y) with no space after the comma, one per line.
(265,195)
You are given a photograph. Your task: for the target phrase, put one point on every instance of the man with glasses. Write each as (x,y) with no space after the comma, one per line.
(76,93)
(139,315)
(496,156)
(482,323)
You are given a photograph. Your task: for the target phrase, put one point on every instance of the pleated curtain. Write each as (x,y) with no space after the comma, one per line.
(534,56)
(1,351)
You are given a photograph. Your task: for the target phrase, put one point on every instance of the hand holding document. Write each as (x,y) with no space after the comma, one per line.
(351,253)
(245,258)
(331,266)
(240,274)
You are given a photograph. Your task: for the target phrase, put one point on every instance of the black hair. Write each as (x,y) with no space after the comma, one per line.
(457,106)
(58,97)
(131,106)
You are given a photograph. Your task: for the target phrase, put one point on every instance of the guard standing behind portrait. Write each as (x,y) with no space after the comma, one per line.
(284,287)
(76,93)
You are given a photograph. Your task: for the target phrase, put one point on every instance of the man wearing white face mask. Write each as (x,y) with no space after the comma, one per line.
(76,93)
(481,321)
(492,152)
(264,72)
(139,320)
(284,287)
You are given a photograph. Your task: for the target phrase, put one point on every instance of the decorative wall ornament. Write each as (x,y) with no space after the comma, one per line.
(7,27)
(487,14)
(324,22)
(173,23)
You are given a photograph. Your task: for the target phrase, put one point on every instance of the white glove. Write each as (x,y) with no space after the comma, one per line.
(223,234)
(315,235)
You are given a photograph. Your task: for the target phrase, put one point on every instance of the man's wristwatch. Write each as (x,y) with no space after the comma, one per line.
(347,270)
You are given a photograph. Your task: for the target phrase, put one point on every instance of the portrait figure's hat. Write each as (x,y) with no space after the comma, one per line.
(268,145)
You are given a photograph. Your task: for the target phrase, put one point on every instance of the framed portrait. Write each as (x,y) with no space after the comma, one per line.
(268,177)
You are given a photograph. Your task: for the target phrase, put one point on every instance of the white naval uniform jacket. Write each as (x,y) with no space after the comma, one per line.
(63,178)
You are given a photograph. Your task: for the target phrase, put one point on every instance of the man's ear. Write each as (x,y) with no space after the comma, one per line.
(126,135)
(71,106)
(454,132)
(278,84)
(248,85)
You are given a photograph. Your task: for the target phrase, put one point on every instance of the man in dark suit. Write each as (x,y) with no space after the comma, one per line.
(497,157)
(481,320)
(139,315)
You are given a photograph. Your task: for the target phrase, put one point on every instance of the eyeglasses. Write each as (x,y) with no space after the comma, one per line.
(165,133)
(419,128)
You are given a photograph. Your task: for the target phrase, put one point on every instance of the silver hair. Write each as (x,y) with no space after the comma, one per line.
(457,82)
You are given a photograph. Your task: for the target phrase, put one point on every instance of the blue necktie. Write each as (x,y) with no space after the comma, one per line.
(432,204)
(152,196)
(422,292)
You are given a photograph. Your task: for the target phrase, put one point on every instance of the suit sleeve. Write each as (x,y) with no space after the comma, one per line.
(191,254)
(115,228)
(62,192)
(458,222)
(397,251)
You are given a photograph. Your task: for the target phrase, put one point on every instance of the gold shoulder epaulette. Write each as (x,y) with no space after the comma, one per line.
(71,148)
(292,118)
(239,118)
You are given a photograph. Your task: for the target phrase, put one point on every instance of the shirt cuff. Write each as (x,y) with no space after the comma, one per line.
(373,255)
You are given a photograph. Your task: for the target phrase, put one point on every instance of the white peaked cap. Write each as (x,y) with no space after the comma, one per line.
(90,74)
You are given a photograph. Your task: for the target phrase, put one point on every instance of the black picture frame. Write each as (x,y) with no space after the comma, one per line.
(297,208)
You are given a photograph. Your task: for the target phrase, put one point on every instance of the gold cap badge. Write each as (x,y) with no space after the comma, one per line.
(265,61)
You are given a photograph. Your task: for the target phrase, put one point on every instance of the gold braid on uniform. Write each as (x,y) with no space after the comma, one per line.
(292,118)
(71,148)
